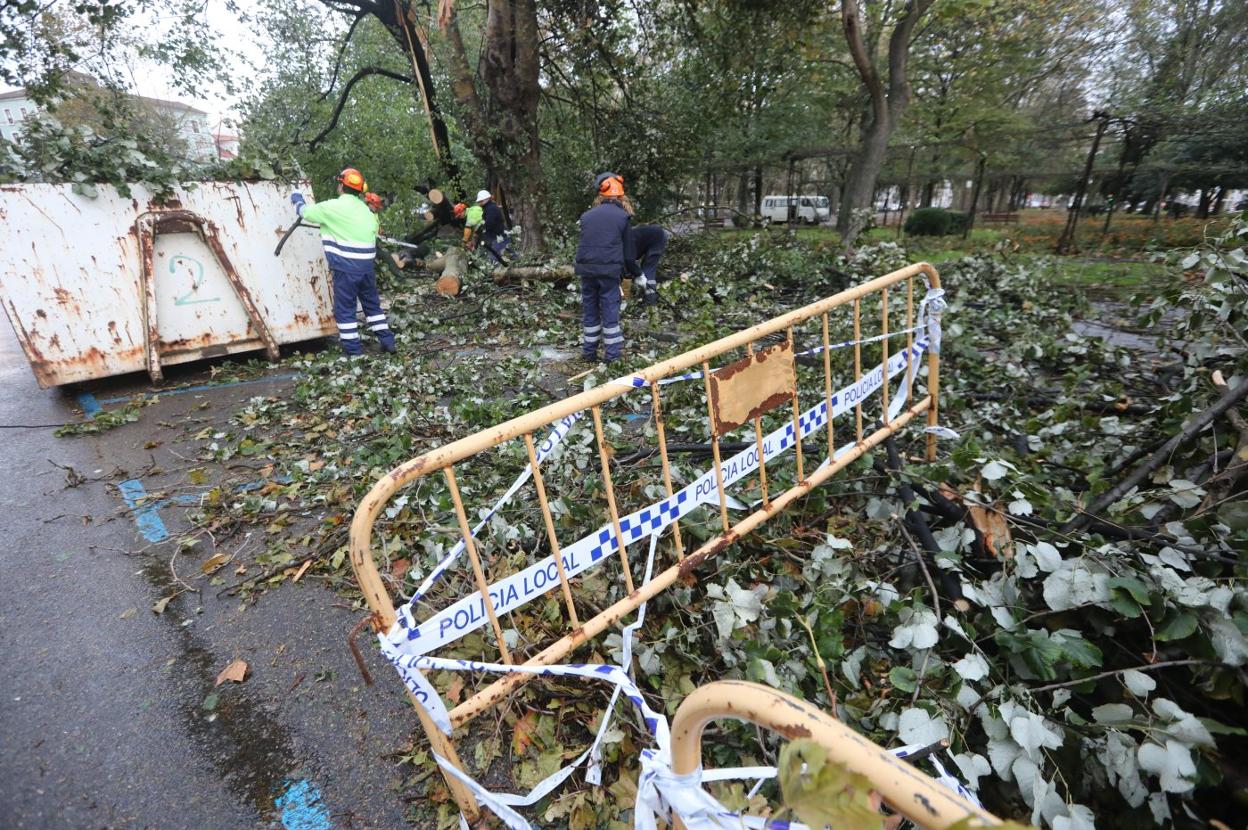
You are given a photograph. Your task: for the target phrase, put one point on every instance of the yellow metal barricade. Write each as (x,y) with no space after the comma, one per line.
(763,380)
(902,786)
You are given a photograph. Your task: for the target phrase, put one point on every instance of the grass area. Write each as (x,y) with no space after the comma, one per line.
(1118,274)
(1037,232)
(1113,271)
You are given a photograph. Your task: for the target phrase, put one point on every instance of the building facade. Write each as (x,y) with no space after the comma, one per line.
(190,125)
(15,107)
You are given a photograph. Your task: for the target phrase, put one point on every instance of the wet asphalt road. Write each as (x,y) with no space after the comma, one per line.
(106,718)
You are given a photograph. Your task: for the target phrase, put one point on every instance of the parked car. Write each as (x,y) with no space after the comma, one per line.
(812,210)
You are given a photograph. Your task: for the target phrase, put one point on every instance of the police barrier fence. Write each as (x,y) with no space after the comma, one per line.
(760,385)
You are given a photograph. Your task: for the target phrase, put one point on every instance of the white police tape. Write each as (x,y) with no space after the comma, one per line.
(544,449)
(661,793)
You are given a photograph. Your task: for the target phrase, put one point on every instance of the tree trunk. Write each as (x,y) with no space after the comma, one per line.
(1202,208)
(888,100)
(929,191)
(758,189)
(860,183)
(979,182)
(549,273)
(503,131)
(454,266)
(1217,203)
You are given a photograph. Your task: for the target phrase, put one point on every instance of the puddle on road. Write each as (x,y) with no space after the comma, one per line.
(256,757)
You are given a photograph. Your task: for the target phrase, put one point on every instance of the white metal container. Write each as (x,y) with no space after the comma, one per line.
(113,284)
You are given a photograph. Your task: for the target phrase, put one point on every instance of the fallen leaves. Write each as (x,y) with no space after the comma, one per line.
(525,732)
(215,563)
(235,671)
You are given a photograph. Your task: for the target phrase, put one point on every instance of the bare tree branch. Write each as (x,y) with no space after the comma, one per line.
(346,93)
(342,50)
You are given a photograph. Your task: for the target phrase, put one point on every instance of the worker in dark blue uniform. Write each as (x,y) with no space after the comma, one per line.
(493,227)
(649,243)
(605,252)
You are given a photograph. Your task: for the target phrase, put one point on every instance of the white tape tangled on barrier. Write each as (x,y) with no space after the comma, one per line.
(661,793)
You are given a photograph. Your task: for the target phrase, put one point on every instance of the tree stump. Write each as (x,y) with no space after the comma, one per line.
(454,264)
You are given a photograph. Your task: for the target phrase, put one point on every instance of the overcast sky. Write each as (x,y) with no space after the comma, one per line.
(153,81)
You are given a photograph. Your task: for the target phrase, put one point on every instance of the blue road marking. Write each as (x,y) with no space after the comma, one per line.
(89,405)
(145,515)
(302,808)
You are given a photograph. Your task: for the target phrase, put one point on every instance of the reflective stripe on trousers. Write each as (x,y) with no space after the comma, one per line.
(600,309)
(350,288)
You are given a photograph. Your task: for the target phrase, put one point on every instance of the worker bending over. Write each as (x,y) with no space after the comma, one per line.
(605,252)
(493,227)
(649,243)
(349,237)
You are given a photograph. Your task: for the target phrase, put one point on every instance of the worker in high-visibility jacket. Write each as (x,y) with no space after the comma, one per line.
(349,237)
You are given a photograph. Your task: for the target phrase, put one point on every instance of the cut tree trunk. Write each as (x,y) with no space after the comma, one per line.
(549,273)
(502,127)
(454,264)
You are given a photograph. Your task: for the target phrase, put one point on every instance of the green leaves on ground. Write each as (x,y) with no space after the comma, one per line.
(823,792)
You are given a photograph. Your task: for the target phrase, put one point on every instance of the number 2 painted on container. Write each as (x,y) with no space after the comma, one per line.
(196,281)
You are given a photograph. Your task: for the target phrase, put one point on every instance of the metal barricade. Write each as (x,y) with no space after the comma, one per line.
(903,787)
(741,394)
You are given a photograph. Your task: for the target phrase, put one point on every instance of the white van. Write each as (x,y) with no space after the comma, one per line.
(812,210)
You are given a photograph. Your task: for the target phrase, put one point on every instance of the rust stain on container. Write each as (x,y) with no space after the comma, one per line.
(83,297)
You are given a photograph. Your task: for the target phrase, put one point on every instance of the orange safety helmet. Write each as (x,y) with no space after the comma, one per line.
(610,184)
(373,201)
(353,179)
(460,207)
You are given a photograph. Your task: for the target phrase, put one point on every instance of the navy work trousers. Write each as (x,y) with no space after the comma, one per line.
(348,288)
(600,308)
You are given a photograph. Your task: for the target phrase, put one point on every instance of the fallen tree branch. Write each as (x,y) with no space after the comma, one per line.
(917,525)
(346,93)
(1204,419)
(1045,400)
(1222,484)
(1166,664)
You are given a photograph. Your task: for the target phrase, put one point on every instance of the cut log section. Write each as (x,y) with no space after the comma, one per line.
(443,211)
(551,273)
(454,263)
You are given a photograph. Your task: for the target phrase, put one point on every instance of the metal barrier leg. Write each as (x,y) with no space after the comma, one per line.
(442,744)
(905,789)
